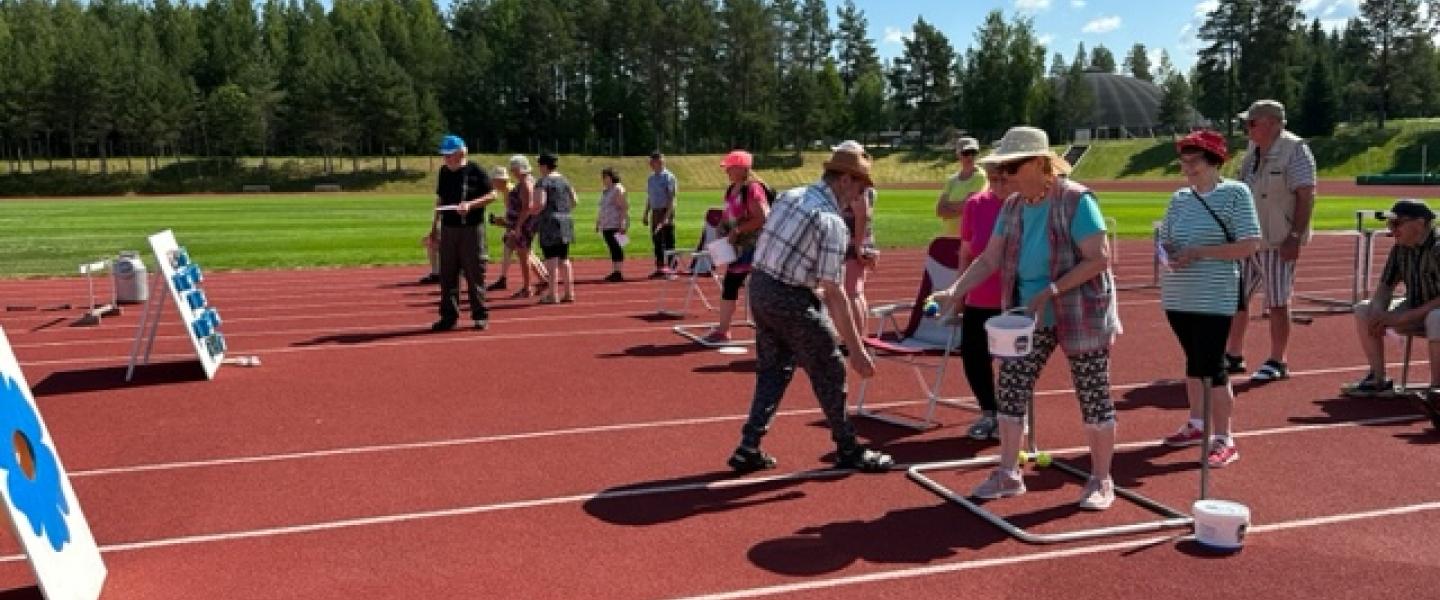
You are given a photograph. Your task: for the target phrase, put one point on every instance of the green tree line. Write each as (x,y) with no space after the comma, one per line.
(107,78)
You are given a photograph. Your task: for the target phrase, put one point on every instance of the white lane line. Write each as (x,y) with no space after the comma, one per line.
(970,565)
(509,437)
(234,333)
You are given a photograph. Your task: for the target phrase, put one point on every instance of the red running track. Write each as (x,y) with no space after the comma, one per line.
(577,451)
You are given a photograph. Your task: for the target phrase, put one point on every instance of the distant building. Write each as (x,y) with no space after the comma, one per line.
(1124,107)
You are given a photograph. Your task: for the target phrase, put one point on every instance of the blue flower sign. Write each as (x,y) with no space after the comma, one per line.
(37,495)
(32,476)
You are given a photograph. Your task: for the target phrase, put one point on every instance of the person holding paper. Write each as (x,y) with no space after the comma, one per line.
(1209,226)
(746,208)
(462,191)
(613,219)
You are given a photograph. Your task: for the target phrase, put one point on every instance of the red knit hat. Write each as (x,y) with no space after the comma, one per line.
(1207,140)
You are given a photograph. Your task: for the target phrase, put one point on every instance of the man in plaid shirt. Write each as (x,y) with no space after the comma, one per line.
(801,251)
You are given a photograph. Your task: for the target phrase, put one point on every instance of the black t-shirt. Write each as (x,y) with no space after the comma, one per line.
(452,187)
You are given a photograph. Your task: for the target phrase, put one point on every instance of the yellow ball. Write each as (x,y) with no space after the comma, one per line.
(1022,457)
(1042,459)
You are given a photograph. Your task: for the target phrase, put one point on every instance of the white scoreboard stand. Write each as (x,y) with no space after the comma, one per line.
(39,501)
(179,274)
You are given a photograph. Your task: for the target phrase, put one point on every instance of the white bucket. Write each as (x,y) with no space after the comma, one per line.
(129,274)
(1011,335)
(622,239)
(721,251)
(1221,524)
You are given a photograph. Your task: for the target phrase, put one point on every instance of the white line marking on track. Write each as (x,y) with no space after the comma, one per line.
(509,437)
(970,565)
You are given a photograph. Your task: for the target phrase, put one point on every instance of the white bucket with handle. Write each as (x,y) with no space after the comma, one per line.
(1220,524)
(1011,335)
(721,252)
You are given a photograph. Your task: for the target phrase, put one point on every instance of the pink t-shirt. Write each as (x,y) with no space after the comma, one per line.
(977,222)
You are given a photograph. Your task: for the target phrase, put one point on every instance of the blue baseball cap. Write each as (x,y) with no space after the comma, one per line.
(451,144)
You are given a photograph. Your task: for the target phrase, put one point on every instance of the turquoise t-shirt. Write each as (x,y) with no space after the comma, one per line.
(1033,271)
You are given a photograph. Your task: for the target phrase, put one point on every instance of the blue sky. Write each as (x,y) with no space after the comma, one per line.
(1062,24)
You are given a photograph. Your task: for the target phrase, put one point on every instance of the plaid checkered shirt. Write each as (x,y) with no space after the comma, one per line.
(803,241)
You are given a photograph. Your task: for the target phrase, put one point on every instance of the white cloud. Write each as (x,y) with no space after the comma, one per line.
(1204,8)
(1102,25)
(895,35)
(1045,39)
(1032,6)
(1309,6)
(1077,4)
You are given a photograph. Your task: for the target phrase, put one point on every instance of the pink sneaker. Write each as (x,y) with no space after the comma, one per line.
(1188,435)
(1222,454)
(716,337)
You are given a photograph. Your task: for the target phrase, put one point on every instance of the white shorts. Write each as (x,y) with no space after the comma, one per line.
(1277,274)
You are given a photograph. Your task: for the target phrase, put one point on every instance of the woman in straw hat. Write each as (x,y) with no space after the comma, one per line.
(1049,245)
(1210,224)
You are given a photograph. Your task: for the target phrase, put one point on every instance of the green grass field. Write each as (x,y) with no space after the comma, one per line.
(52,237)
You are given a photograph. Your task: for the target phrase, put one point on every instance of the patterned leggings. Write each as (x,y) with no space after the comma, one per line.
(1090,371)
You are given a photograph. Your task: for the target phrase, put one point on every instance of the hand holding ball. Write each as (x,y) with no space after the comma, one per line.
(931,308)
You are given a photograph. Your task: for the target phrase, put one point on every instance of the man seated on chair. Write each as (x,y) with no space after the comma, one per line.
(1415,261)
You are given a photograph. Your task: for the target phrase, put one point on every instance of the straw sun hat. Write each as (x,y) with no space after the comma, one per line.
(1025,142)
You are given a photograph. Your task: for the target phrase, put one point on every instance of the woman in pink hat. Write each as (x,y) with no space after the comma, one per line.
(746,208)
(1210,224)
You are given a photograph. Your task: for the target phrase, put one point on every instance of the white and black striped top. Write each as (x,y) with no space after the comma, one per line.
(1206,286)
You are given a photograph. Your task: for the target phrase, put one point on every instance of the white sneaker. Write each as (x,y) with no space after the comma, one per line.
(1099,494)
(1002,483)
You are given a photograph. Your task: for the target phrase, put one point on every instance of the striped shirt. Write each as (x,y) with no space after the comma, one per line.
(1418,268)
(1299,173)
(1208,286)
(803,241)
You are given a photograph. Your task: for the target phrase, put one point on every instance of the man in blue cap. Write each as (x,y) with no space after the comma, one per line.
(1414,260)
(462,190)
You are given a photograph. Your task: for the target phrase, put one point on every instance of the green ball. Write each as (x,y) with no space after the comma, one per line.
(1022,457)
(1042,459)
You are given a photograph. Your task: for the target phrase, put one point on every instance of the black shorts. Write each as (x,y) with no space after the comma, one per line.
(558,251)
(1202,337)
(730,288)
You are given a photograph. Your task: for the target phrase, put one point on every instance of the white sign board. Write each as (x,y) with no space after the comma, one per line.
(41,504)
(183,278)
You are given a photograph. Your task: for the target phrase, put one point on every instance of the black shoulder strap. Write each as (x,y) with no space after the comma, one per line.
(1223,228)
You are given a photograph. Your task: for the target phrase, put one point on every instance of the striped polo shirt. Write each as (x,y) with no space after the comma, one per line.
(1418,268)
(803,241)
(1208,286)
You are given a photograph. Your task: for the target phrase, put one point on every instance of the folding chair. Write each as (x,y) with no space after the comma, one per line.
(925,344)
(701,264)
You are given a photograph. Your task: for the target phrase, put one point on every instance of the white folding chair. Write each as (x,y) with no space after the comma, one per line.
(925,344)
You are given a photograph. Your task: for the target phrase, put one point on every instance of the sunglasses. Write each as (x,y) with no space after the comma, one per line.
(969,152)
(1013,167)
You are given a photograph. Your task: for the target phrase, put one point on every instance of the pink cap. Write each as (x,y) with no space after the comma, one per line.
(738,158)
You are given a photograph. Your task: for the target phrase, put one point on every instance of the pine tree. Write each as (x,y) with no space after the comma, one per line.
(1393,28)
(1137,63)
(1102,60)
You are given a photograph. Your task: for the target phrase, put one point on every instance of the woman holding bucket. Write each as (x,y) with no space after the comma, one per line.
(1209,225)
(746,208)
(1049,245)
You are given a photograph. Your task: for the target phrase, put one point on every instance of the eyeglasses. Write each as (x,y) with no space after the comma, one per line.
(1013,167)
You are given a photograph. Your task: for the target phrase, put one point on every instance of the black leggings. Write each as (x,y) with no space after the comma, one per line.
(975,353)
(616,253)
(730,287)
(1202,337)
